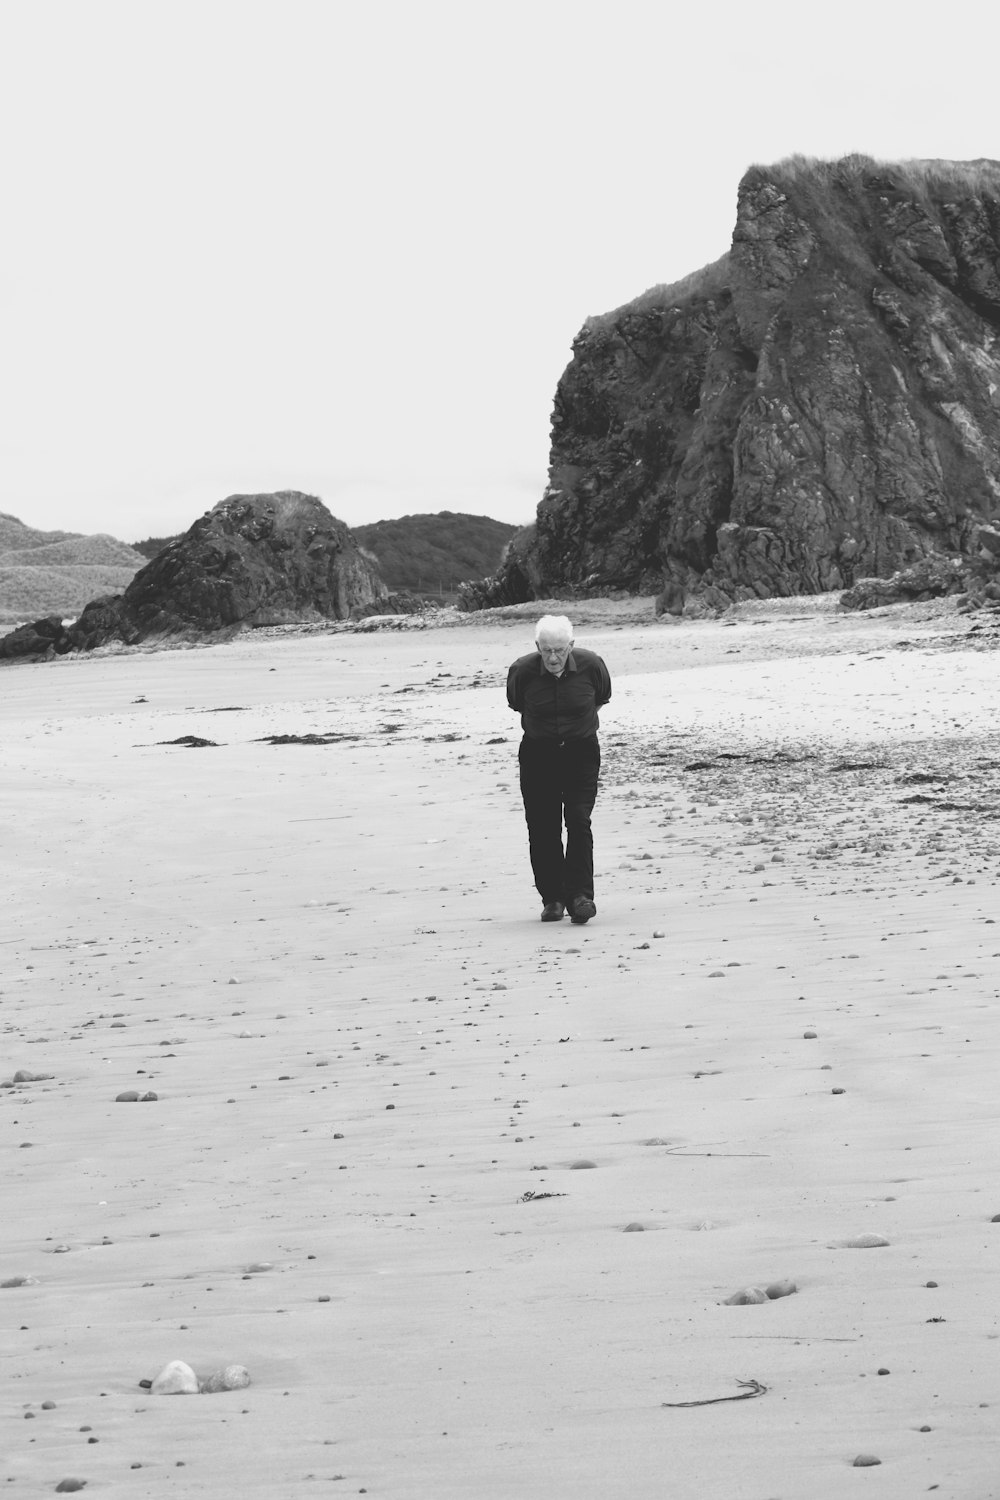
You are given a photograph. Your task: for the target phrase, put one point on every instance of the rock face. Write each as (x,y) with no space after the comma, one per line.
(820,405)
(251,560)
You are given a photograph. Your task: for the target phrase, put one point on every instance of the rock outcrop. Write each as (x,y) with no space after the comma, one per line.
(820,405)
(252,560)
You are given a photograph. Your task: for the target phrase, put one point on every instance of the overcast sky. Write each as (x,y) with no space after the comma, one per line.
(344,245)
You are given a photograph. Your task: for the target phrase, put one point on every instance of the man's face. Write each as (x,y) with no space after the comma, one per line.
(554,652)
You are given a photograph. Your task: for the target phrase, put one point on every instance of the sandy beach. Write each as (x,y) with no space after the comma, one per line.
(466,1194)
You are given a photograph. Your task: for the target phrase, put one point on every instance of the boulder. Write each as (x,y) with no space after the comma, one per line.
(33,642)
(252,560)
(929,579)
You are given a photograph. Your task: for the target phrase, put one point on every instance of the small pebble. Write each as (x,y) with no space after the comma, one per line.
(747,1296)
(865,1242)
(23,1076)
(130,1096)
(809,1036)
(659,932)
(995,1219)
(582,1165)
(67,1486)
(925,1429)
(930,1283)
(256,1266)
(882,1370)
(634,1228)
(149,1098)
(836,1091)
(48,1406)
(322,1299)
(778,1289)
(866,1461)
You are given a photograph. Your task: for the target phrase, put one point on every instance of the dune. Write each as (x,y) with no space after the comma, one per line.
(468,1196)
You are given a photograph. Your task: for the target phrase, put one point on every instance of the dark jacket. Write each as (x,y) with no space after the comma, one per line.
(559,708)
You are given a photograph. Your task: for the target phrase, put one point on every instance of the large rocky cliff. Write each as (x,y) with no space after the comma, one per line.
(820,405)
(251,560)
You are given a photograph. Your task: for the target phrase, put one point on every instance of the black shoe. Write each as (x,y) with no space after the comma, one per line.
(553,911)
(581,909)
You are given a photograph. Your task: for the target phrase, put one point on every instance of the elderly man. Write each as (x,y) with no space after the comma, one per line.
(557,690)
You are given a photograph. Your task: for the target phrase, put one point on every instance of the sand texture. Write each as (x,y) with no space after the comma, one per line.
(473,1199)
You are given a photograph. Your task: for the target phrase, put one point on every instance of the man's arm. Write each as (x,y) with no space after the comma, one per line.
(512,689)
(602,684)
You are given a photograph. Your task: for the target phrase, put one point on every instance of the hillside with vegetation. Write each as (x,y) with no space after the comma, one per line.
(58,572)
(433,554)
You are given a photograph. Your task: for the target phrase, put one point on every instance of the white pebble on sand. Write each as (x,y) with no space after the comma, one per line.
(175,1379)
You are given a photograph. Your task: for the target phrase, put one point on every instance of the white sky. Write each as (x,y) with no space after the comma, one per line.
(344,245)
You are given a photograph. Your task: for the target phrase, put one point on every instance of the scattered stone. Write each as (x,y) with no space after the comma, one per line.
(882,1370)
(866,1461)
(658,932)
(837,1091)
(128,1096)
(67,1486)
(809,1036)
(149,1098)
(582,1165)
(322,1299)
(23,1076)
(785,1288)
(930,1283)
(865,1242)
(175,1379)
(634,1228)
(232,1378)
(257,1266)
(48,1406)
(747,1296)
(13,1281)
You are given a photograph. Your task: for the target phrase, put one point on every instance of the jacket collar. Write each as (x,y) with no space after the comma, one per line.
(569,667)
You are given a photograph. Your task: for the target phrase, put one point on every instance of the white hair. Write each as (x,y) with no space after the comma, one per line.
(553,628)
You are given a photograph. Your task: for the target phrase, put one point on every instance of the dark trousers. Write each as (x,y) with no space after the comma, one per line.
(559,782)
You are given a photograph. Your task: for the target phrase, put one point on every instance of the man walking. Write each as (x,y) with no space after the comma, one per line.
(557,690)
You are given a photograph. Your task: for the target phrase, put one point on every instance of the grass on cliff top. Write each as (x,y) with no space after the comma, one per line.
(926,178)
(708,281)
